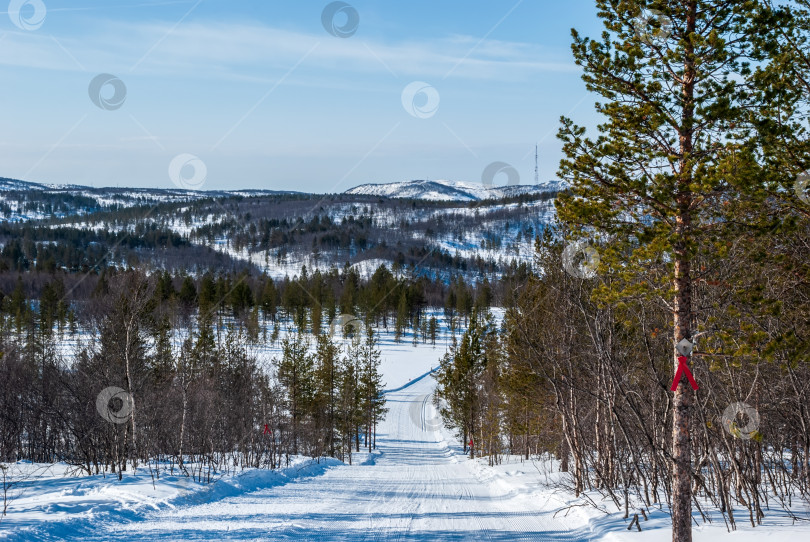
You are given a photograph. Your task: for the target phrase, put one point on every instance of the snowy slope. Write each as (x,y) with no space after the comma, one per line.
(443,190)
(14,184)
(416,486)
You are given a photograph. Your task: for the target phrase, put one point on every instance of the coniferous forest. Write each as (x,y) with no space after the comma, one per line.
(189,360)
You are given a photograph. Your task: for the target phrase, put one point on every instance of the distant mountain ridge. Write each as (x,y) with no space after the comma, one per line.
(438,190)
(444,190)
(441,234)
(7,185)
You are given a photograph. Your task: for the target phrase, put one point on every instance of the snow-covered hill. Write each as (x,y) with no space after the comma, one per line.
(442,190)
(23,200)
(449,228)
(169,194)
(439,190)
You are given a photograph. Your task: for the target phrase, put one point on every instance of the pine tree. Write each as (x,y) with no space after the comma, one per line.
(372,399)
(402,317)
(463,298)
(208,294)
(205,344)
(188,292)
(433,329)
(240,296)
(296,377)
(18,306)
(459,376)
(327,386)
(165,287)
(348,402)
(163,359)
(269,299)
(667,161)
(316,317)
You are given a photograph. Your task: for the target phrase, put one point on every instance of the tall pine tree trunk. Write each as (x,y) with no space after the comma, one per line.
(683,400)
(681,418)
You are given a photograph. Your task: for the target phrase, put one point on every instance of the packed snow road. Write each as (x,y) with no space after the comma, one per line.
(415,488)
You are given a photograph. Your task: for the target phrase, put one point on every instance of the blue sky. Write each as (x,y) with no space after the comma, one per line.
(267,98)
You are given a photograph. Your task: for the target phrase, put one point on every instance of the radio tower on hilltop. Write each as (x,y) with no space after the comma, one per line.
(536,169)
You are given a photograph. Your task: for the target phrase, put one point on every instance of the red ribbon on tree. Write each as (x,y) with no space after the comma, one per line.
(683,368)
(266,429)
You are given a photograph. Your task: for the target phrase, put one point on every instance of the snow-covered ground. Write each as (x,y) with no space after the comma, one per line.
(417,485)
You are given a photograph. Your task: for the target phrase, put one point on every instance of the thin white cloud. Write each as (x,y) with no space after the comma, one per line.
(240,51)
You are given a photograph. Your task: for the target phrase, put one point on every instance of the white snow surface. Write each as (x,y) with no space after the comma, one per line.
(416,486)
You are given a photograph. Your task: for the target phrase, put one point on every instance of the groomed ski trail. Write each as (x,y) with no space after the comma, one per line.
(414,488)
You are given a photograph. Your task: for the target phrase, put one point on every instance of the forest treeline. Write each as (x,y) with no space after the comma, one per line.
(579,373)
(237,233)
(310,298)
(143,369)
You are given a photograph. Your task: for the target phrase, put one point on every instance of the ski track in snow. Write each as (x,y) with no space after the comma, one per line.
(412,488)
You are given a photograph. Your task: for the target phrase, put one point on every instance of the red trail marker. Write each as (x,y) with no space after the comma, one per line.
(683,368)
